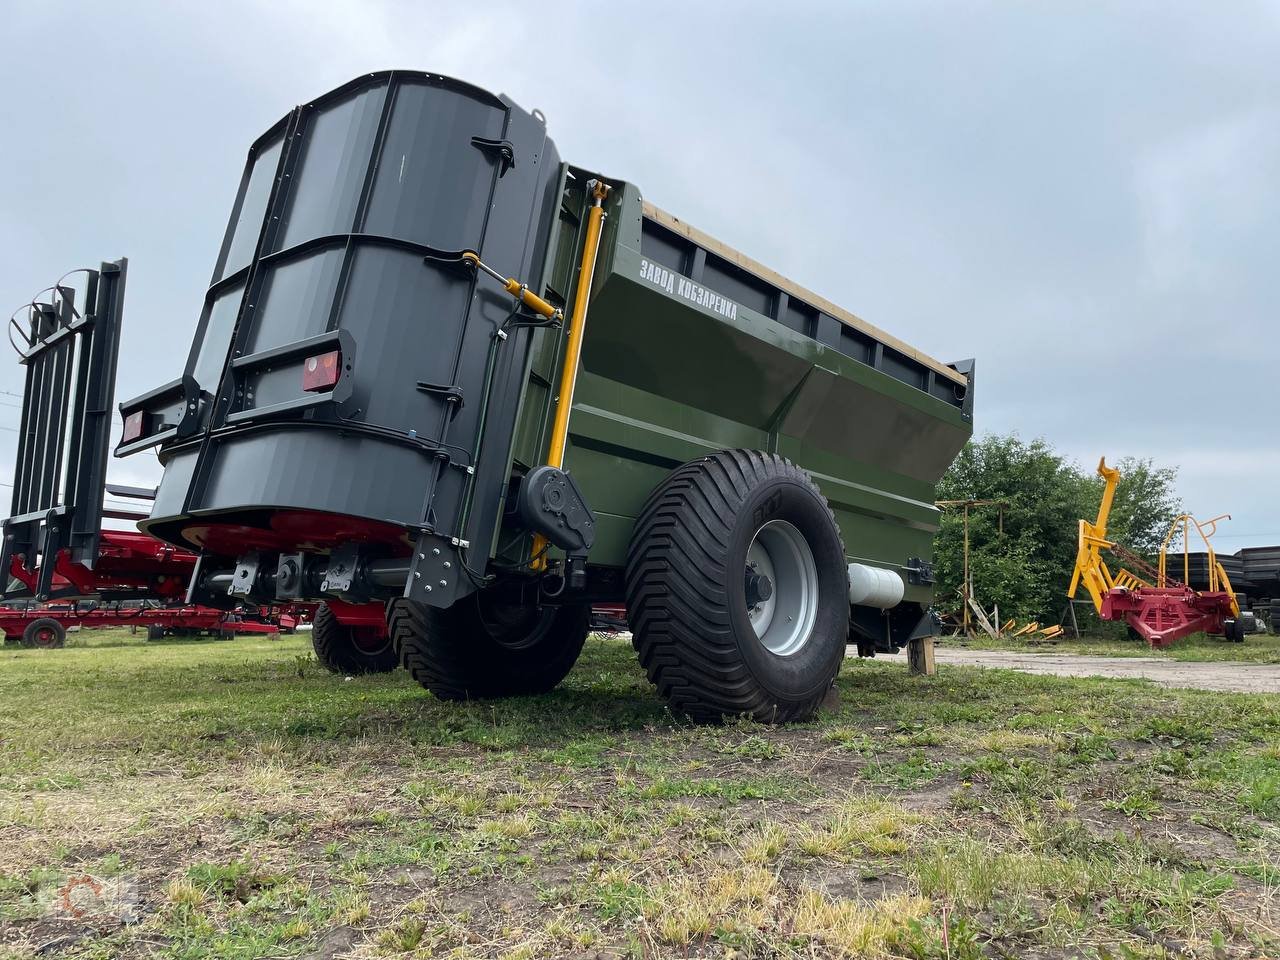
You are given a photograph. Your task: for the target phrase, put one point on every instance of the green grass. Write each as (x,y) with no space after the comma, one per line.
(1257,648)
(242,802)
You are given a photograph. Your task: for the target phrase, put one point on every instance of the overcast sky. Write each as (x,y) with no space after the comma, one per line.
(1082,196)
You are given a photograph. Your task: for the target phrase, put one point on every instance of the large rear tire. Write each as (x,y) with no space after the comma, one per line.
(482,648)
(737,589)
(45,633)
(350,650)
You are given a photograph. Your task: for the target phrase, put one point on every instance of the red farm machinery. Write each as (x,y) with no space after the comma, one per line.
(62,568)
(1156,605)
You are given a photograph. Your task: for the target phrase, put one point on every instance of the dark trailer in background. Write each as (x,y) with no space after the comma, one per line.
(61,568)
(68,339)
(398,396)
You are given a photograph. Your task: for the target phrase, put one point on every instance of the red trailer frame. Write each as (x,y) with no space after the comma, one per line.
(46,625)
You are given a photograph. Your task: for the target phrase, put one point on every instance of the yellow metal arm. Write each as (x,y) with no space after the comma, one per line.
(573,349)
(1091,570)
(577,325)
(515,288)
(1112,477)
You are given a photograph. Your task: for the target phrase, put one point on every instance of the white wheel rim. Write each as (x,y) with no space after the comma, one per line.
(784,622)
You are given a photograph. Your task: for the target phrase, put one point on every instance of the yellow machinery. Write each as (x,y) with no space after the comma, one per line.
(1159,608)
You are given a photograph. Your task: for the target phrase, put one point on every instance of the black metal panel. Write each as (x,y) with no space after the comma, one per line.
(70,351)
(406,314)
(218,323)
(251,208)
(328,178)
(665,248)
(904,368)
(423,151)
(800,317)
(854,343)
(735,283)
(379,186)
(296,298)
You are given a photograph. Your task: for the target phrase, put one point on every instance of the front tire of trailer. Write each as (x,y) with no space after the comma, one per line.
(44,633)
(693,559)
(480,649)
(350,650)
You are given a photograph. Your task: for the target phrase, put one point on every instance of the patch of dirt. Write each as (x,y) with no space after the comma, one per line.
(501,898)
(932,800)
(336,943)
(845,882)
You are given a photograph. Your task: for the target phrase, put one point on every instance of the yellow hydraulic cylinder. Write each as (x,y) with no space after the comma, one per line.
(573,348)
(514,287)
(577,326)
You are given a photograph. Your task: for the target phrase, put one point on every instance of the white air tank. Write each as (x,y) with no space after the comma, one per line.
(874,586)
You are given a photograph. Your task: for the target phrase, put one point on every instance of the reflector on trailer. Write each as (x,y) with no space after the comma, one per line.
(134,425)
(321,372)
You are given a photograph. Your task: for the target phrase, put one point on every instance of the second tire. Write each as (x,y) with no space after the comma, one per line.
(737,589)
(485,647)
(350,649)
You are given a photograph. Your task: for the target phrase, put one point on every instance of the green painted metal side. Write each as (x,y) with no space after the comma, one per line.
(663,381)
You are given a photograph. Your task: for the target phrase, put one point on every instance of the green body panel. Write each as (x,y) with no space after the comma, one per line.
(664,380)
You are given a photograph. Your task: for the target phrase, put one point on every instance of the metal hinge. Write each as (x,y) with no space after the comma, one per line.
(502,150)
(919,572)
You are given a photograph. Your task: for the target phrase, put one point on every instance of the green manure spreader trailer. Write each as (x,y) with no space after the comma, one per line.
(462,393)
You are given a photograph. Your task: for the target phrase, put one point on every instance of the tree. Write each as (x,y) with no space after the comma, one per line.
(1021,556)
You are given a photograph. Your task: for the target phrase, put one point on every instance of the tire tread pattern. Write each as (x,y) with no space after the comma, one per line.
(677,587)
(337,652)
(448,652)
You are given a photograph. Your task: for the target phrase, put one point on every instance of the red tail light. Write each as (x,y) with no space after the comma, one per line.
(134,426)
(322,371)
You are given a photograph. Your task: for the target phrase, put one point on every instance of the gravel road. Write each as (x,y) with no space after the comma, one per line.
(1209,675)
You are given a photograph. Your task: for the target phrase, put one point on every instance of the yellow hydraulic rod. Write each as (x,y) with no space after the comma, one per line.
(515,288)
(573,348)
(577,326)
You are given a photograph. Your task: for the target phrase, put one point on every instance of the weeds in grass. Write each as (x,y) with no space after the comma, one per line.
(1142,805)
(861,825)
(860,930)
(259,809)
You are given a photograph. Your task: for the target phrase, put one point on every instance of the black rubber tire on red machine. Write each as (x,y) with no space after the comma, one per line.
(1233,629)
(690,573)
(45,633)
(482,648)
(350,650)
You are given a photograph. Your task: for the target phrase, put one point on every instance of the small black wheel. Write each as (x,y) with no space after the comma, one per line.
(485,646)
(348,649)
(737,589)
(45,633)
(155,632)
(1233,630)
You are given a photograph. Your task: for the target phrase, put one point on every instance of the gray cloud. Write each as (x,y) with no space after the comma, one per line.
(1084,197)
